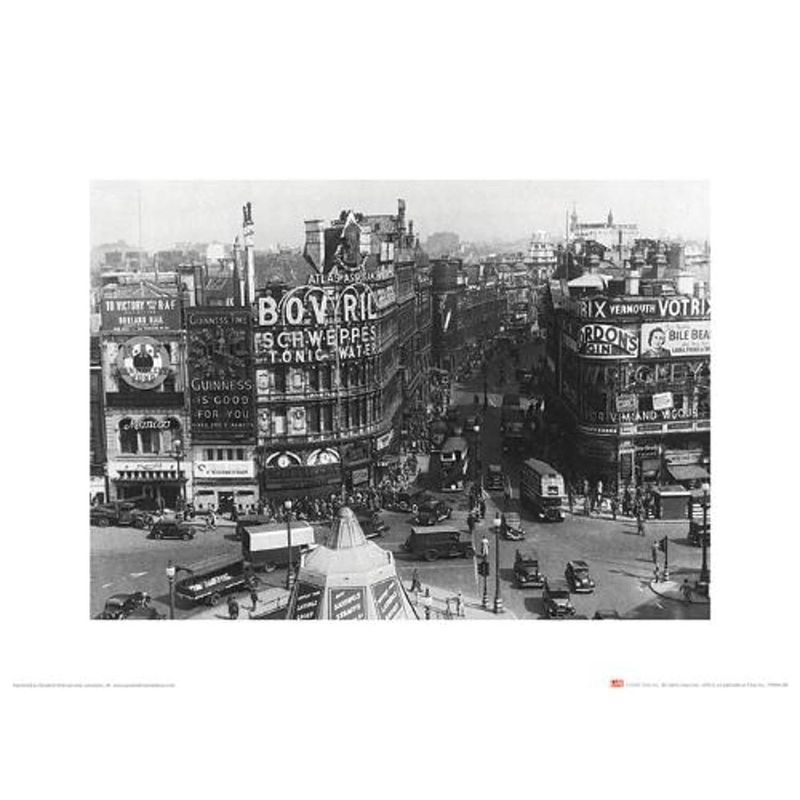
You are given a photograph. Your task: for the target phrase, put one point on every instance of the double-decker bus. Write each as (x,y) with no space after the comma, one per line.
(542,488)
(449,465)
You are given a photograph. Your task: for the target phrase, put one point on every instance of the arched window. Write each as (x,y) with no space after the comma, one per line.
(150,437)
(171,435)
(128,437)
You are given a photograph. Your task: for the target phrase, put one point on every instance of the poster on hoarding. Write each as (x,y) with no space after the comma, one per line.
(680,307)
(668,339)
(143,362)
(662,401)
(387,599)
(347,604)
(607,341)
(130,314)
(307,601)
(220,382)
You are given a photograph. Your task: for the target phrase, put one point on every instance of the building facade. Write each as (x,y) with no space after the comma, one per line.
(336,358)
(629,370)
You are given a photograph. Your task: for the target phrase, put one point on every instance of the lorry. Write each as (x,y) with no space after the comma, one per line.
(267,546)
(209,580)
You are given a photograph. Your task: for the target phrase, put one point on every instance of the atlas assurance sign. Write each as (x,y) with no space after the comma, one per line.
(224,469)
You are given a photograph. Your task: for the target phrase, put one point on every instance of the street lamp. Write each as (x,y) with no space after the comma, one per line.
(170,570)
(477,430)
(177,452)
(498,600)
(705,576)
(290,574)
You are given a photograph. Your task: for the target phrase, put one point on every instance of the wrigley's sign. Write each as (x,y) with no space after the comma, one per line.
(681,307)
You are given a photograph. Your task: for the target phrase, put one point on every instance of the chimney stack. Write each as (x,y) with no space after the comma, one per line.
(314,251)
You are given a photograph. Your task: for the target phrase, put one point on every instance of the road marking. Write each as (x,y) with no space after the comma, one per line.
(106,585)
(658,604)
(137,574)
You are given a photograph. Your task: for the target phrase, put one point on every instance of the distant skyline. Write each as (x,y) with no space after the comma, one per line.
(478,211)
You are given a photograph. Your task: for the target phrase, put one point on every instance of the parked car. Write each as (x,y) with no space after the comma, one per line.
(169,529)
(577,573)
(555,597)
(439,541)
(526,570)
(607,613)
(495,482)
(432,512)
(120,512)
(121,606)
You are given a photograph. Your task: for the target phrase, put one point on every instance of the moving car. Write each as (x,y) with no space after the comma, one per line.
(121,606)
(432,512)
(209,580)
(577,573)
(511,522)
(526,570)
(556,599)
(495,482)
(168,529)
(438,541)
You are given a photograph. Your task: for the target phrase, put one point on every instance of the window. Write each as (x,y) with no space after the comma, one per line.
(230,454)
(128,437)
(209,454)
(240,454)
(150,441)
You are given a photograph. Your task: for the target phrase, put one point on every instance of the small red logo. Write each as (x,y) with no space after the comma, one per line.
(617,683)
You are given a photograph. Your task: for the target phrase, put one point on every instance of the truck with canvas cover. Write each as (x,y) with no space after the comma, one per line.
(267,546)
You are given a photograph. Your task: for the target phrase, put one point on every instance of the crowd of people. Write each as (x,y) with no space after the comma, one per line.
(629,501)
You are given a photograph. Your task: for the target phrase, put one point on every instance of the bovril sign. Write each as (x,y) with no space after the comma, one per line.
(309,324)
(607,341)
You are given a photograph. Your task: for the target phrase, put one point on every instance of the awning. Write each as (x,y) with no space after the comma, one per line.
(688,472)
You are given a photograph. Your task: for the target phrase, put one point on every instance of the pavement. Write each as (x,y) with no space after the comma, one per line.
(671,590)
(270,600)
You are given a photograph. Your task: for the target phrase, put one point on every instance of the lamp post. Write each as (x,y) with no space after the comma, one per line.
(177,452)
(705,577)
(290,573)
(498,600)
(170,570)
(477,430)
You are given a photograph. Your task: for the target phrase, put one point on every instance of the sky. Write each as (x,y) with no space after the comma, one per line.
(205,211)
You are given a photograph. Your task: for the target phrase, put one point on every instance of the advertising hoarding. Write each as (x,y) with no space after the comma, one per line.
(131,314)
(669,339)
(143,362)
(680,307)
(607,341)
(347,603)
(220,378)
(310,323)
(387,598)
(307,601)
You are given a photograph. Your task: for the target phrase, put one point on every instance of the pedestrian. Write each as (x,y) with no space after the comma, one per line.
(253,597)
(639,523)
(686,591)
(656,576)
(483,507)
(570,497)
(471,523)
(654,552)
(614,506)
(587,505)
(212,518)
(485,547)
(233,608)
(459,604)
(426,601)
(599,495)
(416,586)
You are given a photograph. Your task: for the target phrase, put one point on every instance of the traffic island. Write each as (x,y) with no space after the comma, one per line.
(673,590)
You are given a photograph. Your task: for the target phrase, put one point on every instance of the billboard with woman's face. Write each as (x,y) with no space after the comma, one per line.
(667,339)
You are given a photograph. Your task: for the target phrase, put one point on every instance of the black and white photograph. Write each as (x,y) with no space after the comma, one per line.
(399,315)
(475,402)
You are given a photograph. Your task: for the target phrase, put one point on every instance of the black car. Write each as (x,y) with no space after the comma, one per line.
(171,529)
(607,613)
(121,606)
(439,541)
(577,573)
(495,482)
(556,600)
(432,512)
(526,570)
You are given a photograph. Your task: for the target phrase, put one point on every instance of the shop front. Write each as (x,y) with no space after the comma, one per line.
(157,480)
(225,486)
